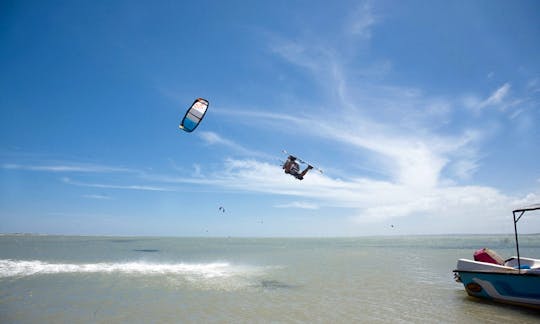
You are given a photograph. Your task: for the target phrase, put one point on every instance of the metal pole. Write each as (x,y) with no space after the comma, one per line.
(517,243)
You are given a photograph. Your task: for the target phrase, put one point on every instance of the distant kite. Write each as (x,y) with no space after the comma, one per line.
(194,115)
(221,209)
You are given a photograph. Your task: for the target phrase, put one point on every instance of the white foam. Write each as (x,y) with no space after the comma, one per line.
(21,268)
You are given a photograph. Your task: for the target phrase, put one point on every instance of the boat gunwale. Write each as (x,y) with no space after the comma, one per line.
(516,273)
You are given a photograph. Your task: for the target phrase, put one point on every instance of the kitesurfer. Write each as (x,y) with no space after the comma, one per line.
(293,168)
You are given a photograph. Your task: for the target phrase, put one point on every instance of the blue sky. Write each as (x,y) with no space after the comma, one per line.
(423,115)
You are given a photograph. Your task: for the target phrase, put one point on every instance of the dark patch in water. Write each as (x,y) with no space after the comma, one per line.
(146,250)
(123,240)
(274,284)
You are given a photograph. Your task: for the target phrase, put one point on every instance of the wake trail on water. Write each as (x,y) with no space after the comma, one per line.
(22,268)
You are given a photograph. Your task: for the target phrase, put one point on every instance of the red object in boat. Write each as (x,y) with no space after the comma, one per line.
(487,255)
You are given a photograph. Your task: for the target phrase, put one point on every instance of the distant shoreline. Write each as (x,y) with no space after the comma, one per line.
(262,237)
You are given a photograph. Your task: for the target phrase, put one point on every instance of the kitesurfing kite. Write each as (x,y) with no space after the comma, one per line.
(194,115)
(292,167)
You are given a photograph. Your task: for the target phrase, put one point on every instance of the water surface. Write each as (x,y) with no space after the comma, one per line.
(51,279)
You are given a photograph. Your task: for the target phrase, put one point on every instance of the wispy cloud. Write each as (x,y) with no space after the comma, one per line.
(413,159)
(496,97)
(197,170)
(114,186)
(212,138)
(395,125)
(366,200)
(98,197)
(465,168)
(83,168)
(298,204)
(533,85)
(362,20)
(297,53)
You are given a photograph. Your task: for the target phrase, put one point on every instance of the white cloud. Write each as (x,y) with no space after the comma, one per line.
(212,138)
(476,208)
(197,170)
(361,21)
(516,113)
(496,97)
(98,197)
(528,200)
(83,168)
(398,125)
(533,85)
(413,159)
(464,169)
(298,204)
(295,53)
(318,59)
(513,103)
(113,186)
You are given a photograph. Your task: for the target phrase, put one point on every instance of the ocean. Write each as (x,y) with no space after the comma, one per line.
(83,279)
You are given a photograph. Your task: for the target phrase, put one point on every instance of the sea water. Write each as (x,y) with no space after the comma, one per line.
(67,279)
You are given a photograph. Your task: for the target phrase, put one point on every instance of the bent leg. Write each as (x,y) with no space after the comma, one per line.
(301,175)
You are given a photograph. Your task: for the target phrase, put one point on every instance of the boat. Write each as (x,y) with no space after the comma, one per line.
(512,281)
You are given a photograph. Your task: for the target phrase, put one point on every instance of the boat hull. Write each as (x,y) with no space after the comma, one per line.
(512,288)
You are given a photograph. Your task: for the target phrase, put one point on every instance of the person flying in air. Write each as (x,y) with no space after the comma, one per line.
(293,168)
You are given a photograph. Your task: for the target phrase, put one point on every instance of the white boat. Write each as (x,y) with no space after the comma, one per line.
(513,281)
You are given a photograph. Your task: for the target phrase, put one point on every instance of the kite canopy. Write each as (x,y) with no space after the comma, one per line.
(194,115)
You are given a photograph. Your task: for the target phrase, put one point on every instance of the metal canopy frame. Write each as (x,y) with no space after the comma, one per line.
(521,212)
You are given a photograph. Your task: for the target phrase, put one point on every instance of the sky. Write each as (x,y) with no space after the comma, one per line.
(422,115)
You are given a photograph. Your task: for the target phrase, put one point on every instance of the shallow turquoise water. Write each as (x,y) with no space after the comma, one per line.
(242,280)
